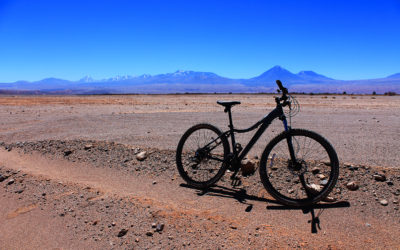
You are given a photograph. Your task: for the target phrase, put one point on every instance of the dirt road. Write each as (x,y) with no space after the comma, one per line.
(87,197)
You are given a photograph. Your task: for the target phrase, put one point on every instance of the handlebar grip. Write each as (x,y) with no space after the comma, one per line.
(279,84)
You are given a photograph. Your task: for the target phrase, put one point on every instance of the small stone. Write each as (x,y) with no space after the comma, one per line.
(315,170)
(248,167)
(367,224)
(95,223)
(153,225)
(154,182)
(290,191)
(11,181)
(329,199)
(390,183)
(88,146)
(136,150)
(141,156)
(352,185)
(2,177)
(321,176)
(323,182)
(159,227)
(379,177)
(67,152)
(384,202)
(113,224)
(137,240)
(314,188)
(149,233)
(122,232)
(19,191)
(395,202)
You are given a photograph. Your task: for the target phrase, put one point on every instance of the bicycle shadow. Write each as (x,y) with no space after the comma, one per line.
(240,194)
(315,220)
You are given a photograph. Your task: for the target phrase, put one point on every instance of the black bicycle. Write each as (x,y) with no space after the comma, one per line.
(298,167)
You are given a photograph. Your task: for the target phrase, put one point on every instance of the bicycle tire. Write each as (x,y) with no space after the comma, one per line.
(319,174)
(188,157)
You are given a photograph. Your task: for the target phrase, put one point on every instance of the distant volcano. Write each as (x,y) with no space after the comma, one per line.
(206,82)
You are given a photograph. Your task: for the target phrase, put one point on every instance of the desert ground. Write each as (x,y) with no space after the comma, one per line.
(70,178)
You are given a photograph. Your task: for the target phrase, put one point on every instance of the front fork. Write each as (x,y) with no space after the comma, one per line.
(289,140)
(293,157)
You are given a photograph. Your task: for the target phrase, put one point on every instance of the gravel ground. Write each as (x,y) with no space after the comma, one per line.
(363,129)
(91,216)
(70,176)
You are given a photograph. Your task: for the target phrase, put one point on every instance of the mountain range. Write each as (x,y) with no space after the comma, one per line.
(205,82)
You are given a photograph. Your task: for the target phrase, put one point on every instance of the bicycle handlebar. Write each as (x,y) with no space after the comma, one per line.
(284,94)
(283,89)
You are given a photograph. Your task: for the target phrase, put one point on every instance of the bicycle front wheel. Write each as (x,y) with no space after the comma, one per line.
(201,155)
(306,181)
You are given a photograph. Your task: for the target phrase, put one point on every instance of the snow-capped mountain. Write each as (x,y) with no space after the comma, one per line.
(206,82)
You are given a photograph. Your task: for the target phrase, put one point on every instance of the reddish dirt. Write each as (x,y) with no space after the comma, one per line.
(57,194)
(67,202)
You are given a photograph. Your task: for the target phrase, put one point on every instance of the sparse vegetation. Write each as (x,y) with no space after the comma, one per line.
(390,93)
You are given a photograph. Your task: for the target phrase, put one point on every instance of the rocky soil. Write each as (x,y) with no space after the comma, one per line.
(98,194)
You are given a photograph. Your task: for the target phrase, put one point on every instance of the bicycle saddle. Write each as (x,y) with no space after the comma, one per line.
(227,104)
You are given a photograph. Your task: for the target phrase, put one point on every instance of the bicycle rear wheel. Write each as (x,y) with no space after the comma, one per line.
(201,155)
(306,181)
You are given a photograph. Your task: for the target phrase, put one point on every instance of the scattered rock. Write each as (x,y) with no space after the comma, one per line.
(315,170)
(314,188)
(2,177)
(149,233)
(323,182)
(329,199)
(390,183)
(154,182)
(248,167)
(67,152)
(141,156)
(153,225)
(122,232)
(88,146)
(384,202)
(159,227)
(11,181)
(321,176)
(352,185)
(379,177)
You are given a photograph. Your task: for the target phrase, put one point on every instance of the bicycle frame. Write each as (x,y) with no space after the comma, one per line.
(264,122)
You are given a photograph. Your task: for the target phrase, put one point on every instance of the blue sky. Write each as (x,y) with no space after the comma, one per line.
(237,39)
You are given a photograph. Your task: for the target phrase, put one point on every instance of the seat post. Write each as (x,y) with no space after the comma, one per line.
(231,129)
